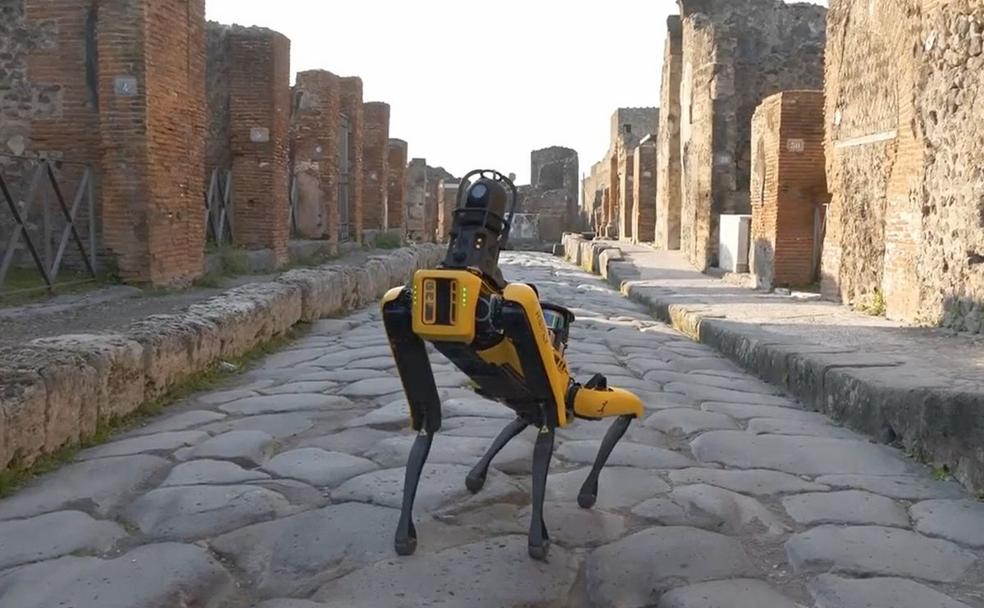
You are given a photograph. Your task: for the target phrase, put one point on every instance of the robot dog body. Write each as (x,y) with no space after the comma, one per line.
(506,340)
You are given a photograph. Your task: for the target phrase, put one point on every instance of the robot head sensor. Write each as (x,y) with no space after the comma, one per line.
(481,228)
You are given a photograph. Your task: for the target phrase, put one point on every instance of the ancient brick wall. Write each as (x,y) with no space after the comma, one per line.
(217,153)
(553,193)
(592,200)
(644,191)
(259,116)
(422,195)
(904,226)
(668,171)
(374,183)
(353,110)
(447,200)
(151,58)
(734,55)
(396,179)
(626,191)
(315,124)
(789,188)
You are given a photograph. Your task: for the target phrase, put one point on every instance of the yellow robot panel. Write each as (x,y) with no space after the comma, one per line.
(557,375)
(444,305)
(595,404)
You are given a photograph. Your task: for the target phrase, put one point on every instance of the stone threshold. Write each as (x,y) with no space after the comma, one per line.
(55,391)
(916,388)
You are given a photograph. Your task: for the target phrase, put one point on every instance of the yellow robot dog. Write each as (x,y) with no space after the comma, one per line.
(507,341)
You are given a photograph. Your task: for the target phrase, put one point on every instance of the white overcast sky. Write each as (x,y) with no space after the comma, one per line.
(480,84)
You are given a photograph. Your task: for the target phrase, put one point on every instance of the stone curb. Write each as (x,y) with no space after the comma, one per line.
(55,391)
(892,400)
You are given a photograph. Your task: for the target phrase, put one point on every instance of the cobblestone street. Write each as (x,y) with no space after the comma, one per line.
(282,488)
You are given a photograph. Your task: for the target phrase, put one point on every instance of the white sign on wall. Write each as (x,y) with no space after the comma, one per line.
(795,145)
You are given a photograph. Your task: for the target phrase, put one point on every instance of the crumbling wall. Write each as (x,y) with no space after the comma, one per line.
(315,124)
(353,110)
(626,189)
(734,55)
(553,193)
(904,230)
(396,179)
(422,196)
(668,167)
(644,191)
(447,200)
(376,139)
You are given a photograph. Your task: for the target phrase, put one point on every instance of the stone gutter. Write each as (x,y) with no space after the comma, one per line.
(906,399)
(55,391)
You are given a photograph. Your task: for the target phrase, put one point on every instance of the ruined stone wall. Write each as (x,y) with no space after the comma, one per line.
(352,108)
(734,55)
(259,112)
(626,191)
(903,163)
(644,191)
(217,153)
(396,189)
(593,195)
(375,187)
(422,196)
(315,124)
(553,193)
(789,188)
(447,200)
(668,171)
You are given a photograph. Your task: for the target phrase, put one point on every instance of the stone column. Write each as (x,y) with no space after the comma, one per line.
(668,141)
(447,199)
(352,108)
(626,192)
(396,178)
(416,201)
(151,83)
(259,110)
(315,134)
(644,192)
(374,183)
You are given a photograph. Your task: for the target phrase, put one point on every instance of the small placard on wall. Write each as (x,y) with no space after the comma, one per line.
(259,135)
(795,145)
(125,86)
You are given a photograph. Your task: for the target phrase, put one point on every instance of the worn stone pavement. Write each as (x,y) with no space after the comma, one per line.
(280,491)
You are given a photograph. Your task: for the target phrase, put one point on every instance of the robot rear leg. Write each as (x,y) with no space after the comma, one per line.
(476,478)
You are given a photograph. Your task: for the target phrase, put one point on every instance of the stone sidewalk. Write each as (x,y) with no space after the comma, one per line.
(918,388)
(281,489)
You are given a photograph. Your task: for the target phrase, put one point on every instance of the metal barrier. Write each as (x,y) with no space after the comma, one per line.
(35,216)
(218,210)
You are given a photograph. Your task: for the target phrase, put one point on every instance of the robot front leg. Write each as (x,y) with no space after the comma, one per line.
(412,361)
(539,539)
(588,495)
(476,478)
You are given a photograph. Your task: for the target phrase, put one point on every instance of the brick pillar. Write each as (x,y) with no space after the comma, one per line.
(612,205)
(431,195)
(626,193)
(151,75)
(352,108)
(374,160)
(315,136)
(396,178)
(259,110)
(417,201)
(668,173)
(447,199)
(788,186)
(644,192)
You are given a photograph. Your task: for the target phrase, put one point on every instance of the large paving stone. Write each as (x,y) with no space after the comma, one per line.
(847,507)
(907,487)
(617,487)
(290,604)
(486,428)
(831,591)
(961,521)
(297,388)
(754,482)
(876,551)
(626,454)
(785,426)
(248,448)
(178,422)
(356,441)
(737,593)
(441,486)
(278,426)
(210,472)
(701,392)
(195,512)
(799,455)
(680,422)
(373,387)
(318,467)
(636,571)
(746,411)
(53,535)
(293,555)
(571,526)
(97,486)
(735,512)
(476,406)
(153,576)
(516,457)
(161,442)
(274,404)
(220,397)
(493,573)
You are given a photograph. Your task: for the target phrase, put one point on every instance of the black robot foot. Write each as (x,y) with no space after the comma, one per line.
(475,483)
(586,501)
(539,552)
